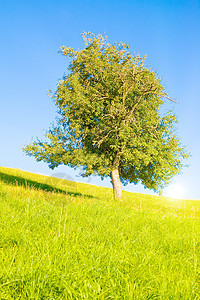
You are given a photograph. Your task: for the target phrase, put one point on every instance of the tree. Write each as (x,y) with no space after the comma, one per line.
(109,120)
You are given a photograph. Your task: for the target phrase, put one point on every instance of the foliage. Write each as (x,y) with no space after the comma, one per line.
(109,105)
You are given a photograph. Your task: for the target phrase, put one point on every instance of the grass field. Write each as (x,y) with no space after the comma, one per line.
(61,240)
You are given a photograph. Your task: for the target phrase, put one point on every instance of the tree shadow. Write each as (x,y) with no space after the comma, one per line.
(18,180)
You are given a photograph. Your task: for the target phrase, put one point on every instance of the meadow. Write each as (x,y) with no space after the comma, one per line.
(66,240)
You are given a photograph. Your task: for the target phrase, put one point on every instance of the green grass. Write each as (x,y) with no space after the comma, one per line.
(61,240)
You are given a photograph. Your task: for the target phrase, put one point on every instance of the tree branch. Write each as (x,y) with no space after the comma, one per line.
(165,96)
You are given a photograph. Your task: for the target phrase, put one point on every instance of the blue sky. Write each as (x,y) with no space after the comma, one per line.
(31,33)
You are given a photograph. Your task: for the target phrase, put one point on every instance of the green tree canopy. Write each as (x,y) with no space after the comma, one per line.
(109,120)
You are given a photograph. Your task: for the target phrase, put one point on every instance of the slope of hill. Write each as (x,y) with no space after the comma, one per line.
(65,240)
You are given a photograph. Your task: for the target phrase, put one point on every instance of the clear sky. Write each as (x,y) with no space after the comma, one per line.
(31,33)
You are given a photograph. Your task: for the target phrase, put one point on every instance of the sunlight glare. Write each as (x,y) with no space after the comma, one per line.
(176,191)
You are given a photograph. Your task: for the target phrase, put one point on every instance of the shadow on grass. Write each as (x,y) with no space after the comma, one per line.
(17,180)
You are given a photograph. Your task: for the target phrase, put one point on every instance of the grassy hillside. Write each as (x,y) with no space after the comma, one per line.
(61,240)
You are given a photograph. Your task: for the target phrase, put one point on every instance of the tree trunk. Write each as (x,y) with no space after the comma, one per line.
(117,186)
